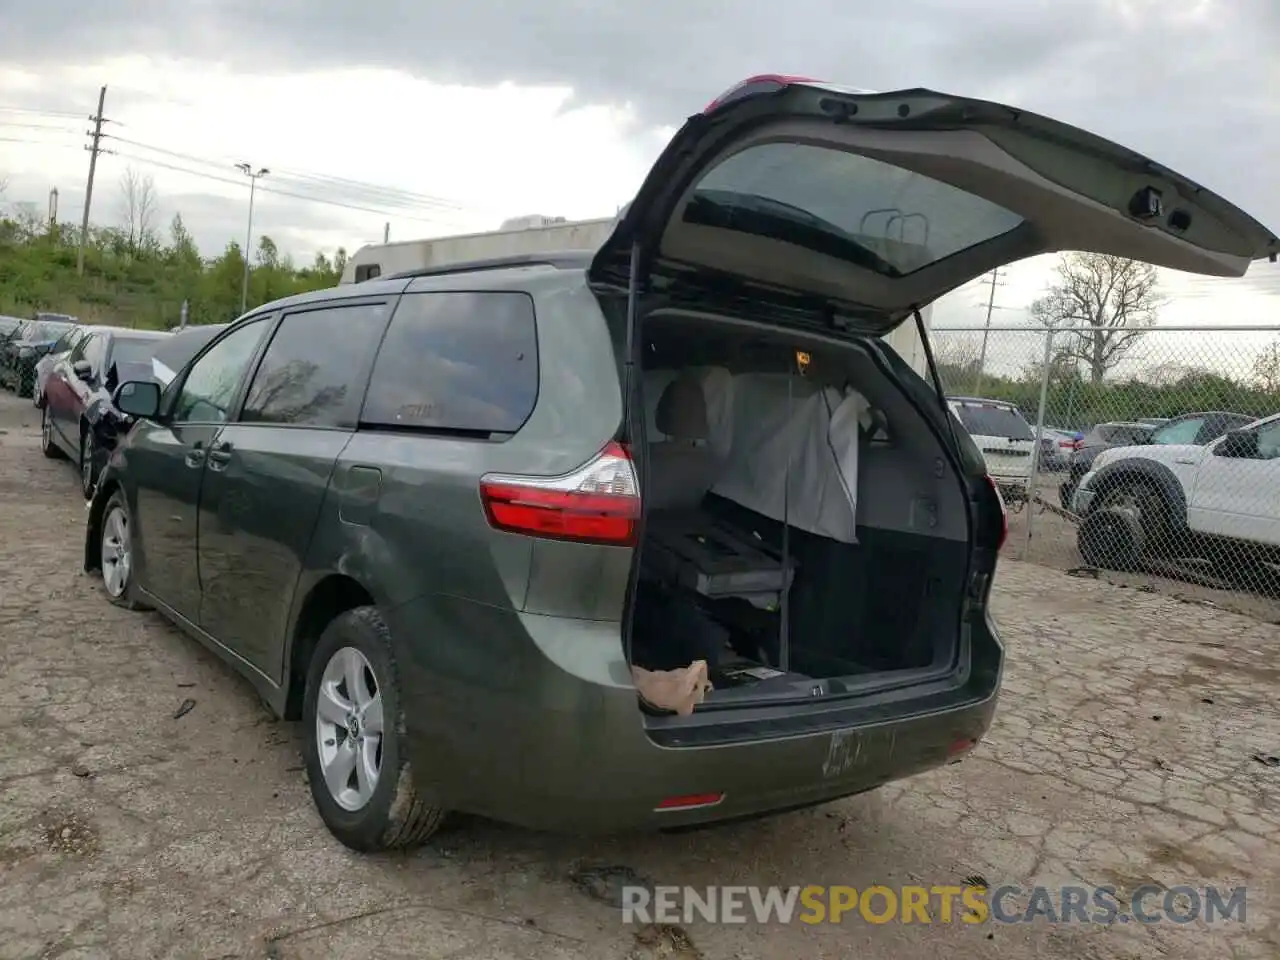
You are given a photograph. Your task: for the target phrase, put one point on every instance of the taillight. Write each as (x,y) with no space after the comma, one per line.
(1004,514)
(597,503)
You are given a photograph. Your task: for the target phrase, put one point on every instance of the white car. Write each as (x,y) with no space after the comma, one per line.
(1003,435)
(1173,500)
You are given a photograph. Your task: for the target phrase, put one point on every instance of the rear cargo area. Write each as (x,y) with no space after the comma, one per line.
(804,533)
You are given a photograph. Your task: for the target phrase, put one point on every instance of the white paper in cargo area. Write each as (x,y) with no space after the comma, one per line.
(757,433)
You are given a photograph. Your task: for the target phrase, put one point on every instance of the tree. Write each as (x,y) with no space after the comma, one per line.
(1109,302)
(1266,367)
(138,195)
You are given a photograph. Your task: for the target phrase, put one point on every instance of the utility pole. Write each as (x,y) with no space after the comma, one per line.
(248,171)
(53,211)
(986,331)
(94,149)
(386,233)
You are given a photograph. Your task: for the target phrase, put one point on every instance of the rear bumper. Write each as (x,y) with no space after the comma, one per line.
(554,738)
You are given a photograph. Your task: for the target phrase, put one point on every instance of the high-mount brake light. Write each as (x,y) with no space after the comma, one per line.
(767,81)
(597,503)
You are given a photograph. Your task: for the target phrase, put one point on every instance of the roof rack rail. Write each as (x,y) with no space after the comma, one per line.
(564,260)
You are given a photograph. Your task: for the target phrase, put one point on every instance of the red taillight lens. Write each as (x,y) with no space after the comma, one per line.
(597,503)
(1004,514)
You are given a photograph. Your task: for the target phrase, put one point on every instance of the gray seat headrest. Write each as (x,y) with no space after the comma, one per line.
(682,410)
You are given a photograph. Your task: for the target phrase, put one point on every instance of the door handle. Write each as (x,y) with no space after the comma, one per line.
(1183,460)
(220,455)
(194,458)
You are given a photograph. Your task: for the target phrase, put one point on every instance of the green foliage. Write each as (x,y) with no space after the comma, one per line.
(142,284)
(1074,402)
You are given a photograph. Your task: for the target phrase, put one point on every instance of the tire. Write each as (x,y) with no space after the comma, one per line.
(88,463)
(383,812)
(1065,492)
(117,547)
(1129,526)
(47,446)
(26,384)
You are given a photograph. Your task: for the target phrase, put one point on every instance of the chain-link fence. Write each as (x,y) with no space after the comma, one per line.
(1136,451)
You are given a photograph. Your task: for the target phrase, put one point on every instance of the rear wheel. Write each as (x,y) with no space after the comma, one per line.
(47,446)
(88,462)
(26,383)
(354,741)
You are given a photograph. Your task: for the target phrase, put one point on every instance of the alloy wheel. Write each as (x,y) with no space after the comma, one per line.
(86,463)
(117,553)
(349,728)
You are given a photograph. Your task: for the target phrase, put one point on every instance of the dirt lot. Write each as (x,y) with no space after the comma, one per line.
(1122,753)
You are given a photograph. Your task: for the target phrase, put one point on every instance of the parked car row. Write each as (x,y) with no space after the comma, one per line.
(71,371)
(1006,441)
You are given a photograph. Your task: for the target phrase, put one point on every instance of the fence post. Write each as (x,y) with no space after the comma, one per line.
(1034,482)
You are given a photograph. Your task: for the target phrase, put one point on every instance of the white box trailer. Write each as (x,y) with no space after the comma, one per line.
(384,259)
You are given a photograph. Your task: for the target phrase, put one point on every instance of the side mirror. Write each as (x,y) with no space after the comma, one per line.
(83,370)
(138,398)
(1238,443)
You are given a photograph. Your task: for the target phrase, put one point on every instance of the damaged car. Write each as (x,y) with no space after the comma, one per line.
(22,350)
(79,417)
(651,537)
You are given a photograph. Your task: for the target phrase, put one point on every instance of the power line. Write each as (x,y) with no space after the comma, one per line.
(273,190)
(41,113)
(37,126)
(374,193)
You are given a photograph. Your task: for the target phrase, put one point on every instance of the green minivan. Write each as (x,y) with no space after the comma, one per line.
(652,536)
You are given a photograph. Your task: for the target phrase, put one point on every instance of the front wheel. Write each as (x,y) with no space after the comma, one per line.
(116,556)
(1129,525)
(354,741)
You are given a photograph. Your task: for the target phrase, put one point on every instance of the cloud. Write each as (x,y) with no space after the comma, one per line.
(1188,83)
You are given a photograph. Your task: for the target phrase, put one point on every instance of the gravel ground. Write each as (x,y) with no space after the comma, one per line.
(1123,753)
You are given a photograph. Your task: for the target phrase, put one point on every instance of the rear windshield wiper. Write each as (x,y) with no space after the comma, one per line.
(763,216)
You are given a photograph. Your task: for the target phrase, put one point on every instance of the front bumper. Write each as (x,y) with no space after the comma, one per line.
(552,737)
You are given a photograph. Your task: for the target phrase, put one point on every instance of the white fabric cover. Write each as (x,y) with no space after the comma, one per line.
(757,433)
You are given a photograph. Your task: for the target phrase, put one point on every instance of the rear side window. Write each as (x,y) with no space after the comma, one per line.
(308,372)
(994,421)
(464,362)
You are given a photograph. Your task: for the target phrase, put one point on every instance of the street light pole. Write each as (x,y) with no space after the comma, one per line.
(248,171)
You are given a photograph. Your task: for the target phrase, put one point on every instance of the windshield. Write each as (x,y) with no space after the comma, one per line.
(1122,434)
(994,421)
(846,205)
(1183,431)
(38,331)
(133,349)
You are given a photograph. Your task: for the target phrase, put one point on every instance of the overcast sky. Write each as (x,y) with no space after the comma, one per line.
(446,118)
